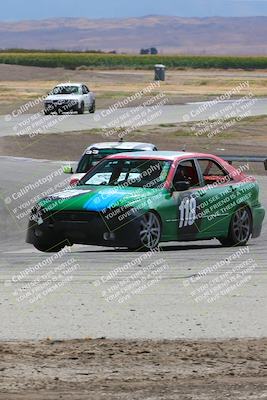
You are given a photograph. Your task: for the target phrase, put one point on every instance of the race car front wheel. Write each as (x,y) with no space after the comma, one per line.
(240,228)
(48,247)
(150,231)
(92,108)
(81,109)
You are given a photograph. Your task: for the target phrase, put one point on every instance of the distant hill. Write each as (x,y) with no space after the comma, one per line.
(217,35)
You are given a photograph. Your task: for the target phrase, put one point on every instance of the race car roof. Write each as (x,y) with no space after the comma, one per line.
(166,155)
(122,146)
(70,84)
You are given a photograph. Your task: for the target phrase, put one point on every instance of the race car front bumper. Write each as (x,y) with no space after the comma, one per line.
(85,227)
(63,106)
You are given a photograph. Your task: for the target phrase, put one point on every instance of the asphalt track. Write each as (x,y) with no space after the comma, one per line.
(32,124)
(166,309)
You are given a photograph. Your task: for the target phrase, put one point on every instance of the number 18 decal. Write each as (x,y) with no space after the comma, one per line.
(187,211)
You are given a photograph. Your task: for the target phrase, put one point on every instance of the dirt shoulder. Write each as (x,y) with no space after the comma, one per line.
(248,137)
(119,369)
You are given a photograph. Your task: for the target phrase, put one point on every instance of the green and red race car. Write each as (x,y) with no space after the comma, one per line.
(138,200)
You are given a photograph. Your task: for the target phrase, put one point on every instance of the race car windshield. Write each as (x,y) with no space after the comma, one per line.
(129,173)
(65,90)
(92,157)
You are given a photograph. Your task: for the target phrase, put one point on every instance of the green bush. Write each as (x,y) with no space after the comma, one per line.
(72,60)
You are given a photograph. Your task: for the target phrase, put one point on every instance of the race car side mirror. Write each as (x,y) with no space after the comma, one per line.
(181,186)
(67,169)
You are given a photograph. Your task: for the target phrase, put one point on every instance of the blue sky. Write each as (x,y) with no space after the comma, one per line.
(39,9)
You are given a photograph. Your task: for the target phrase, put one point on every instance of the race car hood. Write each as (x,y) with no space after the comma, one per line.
(99,198)
(62,97)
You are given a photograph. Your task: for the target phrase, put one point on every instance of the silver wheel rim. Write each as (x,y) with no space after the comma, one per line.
(150,230)
(241,225)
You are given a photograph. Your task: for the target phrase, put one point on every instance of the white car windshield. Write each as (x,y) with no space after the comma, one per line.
(65,90)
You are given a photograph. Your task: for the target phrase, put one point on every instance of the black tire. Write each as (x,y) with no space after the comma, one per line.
(92,108)
(81,109)
(47,112)
(149,232)
(59,111)
(240,228)
(46,247)
(225,242)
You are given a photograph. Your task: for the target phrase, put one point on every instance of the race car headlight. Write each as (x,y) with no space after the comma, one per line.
(36,215)
(38,233)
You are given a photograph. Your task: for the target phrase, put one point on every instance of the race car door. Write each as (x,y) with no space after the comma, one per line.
(217,198)
(86,96)
(203,206)
(186,185)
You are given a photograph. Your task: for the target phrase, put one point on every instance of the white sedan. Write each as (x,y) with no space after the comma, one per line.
(67,97)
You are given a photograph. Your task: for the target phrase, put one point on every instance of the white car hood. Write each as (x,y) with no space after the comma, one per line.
(59,97)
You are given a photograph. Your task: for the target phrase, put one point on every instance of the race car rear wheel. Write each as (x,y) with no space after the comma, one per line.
(81,109)
(150,231)
(92,108)
(47,247)
(240,228)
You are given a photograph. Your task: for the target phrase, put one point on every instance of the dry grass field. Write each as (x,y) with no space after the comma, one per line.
(248,137)
(19,84)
